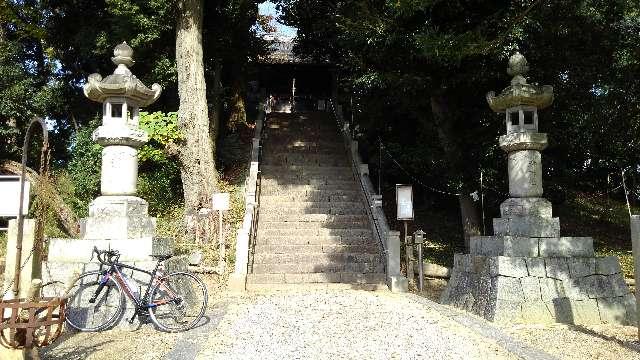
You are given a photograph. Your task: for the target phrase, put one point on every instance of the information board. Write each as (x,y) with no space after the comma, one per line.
(404,201)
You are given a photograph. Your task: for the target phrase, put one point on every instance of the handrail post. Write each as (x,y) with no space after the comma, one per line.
(25,151)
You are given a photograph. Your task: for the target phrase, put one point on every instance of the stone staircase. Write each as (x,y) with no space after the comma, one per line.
(313,228)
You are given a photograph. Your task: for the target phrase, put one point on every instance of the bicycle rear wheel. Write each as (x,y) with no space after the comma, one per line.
(178,302)
(100,314)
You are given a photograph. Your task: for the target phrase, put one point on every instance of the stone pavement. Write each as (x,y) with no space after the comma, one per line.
(348,324)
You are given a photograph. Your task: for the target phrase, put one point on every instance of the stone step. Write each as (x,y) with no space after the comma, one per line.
(275,217)
(318,267)
(305,159)
(319,277)
(311,197)
(316,287)
(315,258)
(311,169)
(299,144)
(311,226)
(304,237)
(296,148)
(273,187)
(296,178)
(320,248)
(320,195)
(320,183)
(313,205)
(296,211)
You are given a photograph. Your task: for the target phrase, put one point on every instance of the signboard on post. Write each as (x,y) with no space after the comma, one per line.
(404,201)
(10,195)
(220,201)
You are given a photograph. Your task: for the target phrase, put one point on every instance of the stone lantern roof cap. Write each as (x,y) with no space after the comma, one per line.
(520,93)
(122,83)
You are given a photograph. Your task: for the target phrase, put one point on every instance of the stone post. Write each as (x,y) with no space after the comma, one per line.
(28,238)
(397,282)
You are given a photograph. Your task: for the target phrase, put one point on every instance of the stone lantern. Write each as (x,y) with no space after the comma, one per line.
(118,219)
(118,213)
(526,213)
(526,272)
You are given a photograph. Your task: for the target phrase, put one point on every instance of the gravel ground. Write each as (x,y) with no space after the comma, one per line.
(343,325)
(347,324)
(602,342)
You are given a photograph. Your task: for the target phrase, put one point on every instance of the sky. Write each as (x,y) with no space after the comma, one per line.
(269,8)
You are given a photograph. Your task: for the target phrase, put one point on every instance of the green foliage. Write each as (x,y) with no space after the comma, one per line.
(163,132)
(84,168)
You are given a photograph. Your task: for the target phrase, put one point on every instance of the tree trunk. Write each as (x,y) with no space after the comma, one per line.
(66,217)
(471,223)
(197,164)
(214,124)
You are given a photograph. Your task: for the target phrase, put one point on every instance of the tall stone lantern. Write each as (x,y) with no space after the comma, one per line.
(118,213)
(118,218)
(526,272)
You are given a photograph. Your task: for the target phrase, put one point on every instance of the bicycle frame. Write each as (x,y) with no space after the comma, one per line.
(141,302)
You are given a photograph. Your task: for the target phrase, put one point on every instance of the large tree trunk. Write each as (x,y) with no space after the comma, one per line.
(197,164)
(471,223)
(216,109)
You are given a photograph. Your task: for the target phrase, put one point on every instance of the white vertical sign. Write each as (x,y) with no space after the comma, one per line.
(220,201)
(404,202)
(10,196)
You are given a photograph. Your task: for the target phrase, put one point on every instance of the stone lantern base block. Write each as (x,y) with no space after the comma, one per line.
(532,246)
(586,290)
(531,226)
(118,217)
(533,206)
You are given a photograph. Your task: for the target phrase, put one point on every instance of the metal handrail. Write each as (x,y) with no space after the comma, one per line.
(356,170)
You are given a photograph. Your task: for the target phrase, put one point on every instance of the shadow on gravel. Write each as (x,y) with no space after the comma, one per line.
(190,342)
(77,352)
(631,345)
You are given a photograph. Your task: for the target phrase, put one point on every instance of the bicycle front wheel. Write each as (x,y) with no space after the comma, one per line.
(178,302)
(90,310)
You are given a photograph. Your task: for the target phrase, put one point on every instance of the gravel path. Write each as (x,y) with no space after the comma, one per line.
(350,325)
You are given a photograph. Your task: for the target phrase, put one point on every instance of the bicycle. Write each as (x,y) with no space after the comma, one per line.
(173,302)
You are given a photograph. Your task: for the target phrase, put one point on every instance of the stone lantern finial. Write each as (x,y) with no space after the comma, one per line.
(518,65)
(123,54)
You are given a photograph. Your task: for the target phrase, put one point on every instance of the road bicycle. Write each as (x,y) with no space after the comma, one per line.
(173,302)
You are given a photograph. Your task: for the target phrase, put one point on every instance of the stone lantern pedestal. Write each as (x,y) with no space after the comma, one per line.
(526,272)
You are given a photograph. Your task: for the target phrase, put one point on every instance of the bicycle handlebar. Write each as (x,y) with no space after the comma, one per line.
(112,256)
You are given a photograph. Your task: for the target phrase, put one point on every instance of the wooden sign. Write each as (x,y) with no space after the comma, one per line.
(10,195)
(220,201)
(404,201)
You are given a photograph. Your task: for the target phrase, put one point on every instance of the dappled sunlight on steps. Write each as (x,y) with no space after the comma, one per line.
(313,228)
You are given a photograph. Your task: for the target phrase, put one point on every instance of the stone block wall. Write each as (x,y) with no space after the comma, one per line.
(519,289)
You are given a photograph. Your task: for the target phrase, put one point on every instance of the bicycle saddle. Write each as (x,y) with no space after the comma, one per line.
(162,257)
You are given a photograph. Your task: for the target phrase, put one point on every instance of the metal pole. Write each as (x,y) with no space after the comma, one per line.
(420,267)
(25,152)
(379,166)
(484,229)
(635,246)
(626,194)
(221,241)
